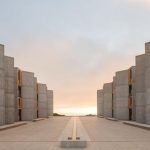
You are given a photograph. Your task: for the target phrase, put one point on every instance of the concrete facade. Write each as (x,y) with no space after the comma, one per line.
(50,102)
(131,91)
(122,94)
(100,103)
(147,83)
(9,90)
(108,95)
(42,101)
(28,96)
(2,86)
(21,98)
(140,88)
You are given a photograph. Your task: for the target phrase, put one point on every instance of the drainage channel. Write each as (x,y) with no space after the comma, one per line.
(74,135)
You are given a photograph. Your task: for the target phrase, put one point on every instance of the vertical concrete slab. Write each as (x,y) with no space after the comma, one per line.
(50,102)
(42,101)
(2,86)
(28,96)
(133,68)
(122,95)
(35,98)
(114,97)
(16,93)
(107,90)
(140,88)
(100,103)
(9,90)
(147,83)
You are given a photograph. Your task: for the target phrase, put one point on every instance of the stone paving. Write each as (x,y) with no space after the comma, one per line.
(104,135)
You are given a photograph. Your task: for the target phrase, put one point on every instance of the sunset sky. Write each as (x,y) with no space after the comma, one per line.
(74,46)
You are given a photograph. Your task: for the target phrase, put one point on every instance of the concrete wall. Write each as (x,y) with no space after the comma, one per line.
(42,101)
(107,90)
(16,94)
(100,103)
(147,83)
(114,97)
(35,98)
(133,69)
(28,96)
(140,88)
(2,86)
(121,95)
(9,90)
(50,102)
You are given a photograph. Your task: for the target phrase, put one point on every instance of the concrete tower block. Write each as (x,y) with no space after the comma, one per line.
(147,83)
(9,90)
(114,97)
(100,103)
(35,99)
(16,92)
(140,88)
(107,90)
(50,102)
(2,86)
(28,96)
(133,69)
(122,95)
(42,101)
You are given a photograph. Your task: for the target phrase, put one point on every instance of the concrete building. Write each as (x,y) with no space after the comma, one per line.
(42,101)
(108,99)
(28,96)
(2,86)
(9,90)
(21,98)
(130,92)
(147,83)
(50,102)
(100,103)
(124,100)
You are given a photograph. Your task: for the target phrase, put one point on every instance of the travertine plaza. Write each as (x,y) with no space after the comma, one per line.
(22,98)
(127,97)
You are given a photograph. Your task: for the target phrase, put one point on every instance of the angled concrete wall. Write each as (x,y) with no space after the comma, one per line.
(50,102)
(140,88)
(100,103)
(35,98)
(114,97)
(147,83)
(16,94)
(28,96)
(107,91)
(133,69)
(2,86)
(42,101)
(122,95)
(9,90)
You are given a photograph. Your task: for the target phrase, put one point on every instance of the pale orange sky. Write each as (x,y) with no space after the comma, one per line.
(74,46)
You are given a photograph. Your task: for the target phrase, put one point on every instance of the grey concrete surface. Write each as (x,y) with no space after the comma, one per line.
(2,86)
(107,91)
(147,83)
(100,103)
(140,88)
(50,97)
(121,95)
(28,96)
(42,101)
(104,135)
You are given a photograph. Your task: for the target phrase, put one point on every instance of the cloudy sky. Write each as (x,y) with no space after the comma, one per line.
(74,45)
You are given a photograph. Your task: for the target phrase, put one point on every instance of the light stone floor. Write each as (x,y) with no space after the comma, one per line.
(103,134)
